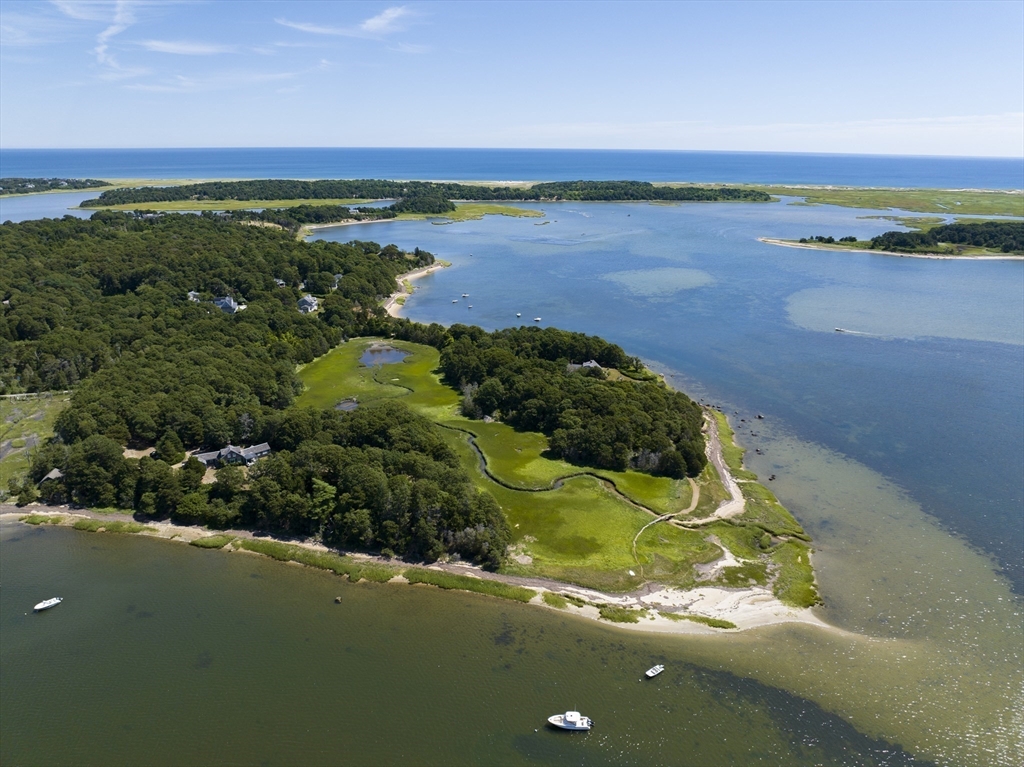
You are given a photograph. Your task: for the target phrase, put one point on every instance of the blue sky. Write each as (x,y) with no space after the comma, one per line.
(864,77)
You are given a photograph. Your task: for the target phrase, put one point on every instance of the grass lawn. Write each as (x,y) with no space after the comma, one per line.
(25,424)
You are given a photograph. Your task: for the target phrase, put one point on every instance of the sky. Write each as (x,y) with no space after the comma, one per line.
(925,78)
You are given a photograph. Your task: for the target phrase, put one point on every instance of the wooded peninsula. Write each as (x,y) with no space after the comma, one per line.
(182,335)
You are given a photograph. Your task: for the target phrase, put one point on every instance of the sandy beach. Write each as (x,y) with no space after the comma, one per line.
(392,304)
(934,256)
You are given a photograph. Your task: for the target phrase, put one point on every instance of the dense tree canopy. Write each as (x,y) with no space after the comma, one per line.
(1005,236)
(420,196)
(533,379)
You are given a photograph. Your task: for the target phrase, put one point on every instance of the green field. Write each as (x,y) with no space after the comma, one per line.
(581,531)
(24,424)
(964,202)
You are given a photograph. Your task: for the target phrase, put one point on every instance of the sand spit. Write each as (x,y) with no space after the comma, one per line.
(933,256)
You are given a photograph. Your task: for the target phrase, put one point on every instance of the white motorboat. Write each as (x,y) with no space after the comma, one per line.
(46,604)
(465,295)
(571,720)
(653,671)
(536,319)
(519,314)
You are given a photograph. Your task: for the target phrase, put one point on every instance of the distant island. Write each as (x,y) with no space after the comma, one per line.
(11,185)
(960,240)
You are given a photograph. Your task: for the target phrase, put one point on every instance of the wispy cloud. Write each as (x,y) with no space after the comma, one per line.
(118,16)
(384,23)
(186,47)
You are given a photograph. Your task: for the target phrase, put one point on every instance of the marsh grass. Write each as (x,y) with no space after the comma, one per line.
(555,600)
(973,202)
(464,583)
(42,519)
(323,560)
(95,525)
(617,614)
(731,452)
(794,582)
(764,510)
(713,622)
(213,541)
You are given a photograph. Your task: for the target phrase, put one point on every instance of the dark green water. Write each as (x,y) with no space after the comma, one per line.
(165,654)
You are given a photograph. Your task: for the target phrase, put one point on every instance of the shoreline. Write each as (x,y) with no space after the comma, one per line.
(746,608)
(391,303)
(931,256)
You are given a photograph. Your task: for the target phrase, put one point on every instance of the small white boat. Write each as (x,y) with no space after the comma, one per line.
(465,295)
(455,300)
(536,319)
(653,671)
(47,604)
(519,314)
(571,720)
(471,306)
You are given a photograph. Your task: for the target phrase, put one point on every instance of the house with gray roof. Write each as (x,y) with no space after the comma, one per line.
(228,304)
(232,455)
(308,304)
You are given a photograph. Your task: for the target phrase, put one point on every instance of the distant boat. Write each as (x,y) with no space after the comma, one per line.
(840,330)
(653,671)
(47,604)
(465,295)
(536,319)
(519,314)
(455,300)
(470,306)
(571,720)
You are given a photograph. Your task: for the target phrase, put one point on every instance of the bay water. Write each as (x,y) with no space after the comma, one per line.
(897,445)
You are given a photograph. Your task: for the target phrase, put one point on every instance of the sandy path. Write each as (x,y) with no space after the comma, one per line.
(736,504)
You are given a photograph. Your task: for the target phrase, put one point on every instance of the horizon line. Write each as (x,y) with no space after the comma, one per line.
(514,149)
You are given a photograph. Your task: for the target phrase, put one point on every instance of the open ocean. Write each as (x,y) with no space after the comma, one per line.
(899,447)
(519,165)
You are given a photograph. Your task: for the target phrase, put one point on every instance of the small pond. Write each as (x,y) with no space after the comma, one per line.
(382,355)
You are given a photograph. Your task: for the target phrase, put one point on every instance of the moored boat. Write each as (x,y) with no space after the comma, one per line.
(653,671)
(46,604)
(571,720)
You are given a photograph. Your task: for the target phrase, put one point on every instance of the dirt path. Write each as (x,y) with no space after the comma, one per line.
(735,505)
